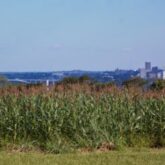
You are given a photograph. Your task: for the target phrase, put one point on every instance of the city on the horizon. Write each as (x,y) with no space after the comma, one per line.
(149,73)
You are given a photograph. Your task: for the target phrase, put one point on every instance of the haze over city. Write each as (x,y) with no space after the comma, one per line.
(39,35)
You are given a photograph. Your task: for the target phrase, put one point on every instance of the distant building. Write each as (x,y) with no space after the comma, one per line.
(148,66)
(47,83)
(151,73)
(143,73)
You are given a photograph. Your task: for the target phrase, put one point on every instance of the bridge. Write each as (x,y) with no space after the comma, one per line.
(33,81)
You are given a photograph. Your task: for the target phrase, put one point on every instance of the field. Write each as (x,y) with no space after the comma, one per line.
(128,157)
(85,118)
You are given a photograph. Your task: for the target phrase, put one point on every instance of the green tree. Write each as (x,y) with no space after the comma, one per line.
(134,82)
(158,85)
(69,80)
(84,79)
(3,81)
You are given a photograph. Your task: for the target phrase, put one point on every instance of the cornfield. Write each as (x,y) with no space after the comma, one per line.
(61,120)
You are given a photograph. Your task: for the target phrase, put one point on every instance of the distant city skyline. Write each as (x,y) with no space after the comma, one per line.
(96,35)
(150,72)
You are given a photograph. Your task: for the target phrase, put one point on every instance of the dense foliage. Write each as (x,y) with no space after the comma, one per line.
(158,85)
(76,80)
(62,119)
(3,81)
(135,82)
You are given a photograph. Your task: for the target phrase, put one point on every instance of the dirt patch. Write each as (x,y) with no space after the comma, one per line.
(105,147)
(21,149)
(85,150)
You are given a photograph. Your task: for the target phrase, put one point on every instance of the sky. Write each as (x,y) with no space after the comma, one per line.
(96,35)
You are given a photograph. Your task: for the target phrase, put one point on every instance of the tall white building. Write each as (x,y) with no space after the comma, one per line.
(143,73)
(151,73)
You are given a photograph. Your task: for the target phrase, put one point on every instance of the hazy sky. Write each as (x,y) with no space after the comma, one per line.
(50,35)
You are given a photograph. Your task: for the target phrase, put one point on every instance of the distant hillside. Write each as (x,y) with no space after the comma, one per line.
(117,76)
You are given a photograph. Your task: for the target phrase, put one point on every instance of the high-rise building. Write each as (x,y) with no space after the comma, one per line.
(153,73)
(148,66)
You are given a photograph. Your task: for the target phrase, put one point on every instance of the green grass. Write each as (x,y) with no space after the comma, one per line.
(128,157)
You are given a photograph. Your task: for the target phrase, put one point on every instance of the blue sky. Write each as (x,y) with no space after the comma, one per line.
(50,35)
